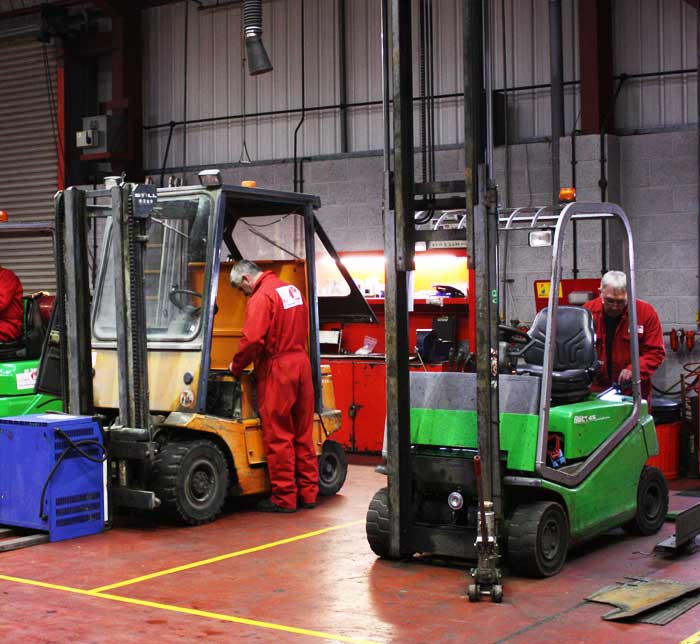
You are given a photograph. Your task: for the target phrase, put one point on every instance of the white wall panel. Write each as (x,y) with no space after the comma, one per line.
(653,36)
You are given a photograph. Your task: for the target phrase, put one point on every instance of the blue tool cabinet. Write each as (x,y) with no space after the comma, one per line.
(74,501)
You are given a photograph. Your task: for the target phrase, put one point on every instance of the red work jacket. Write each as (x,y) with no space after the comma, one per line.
(651,344)
(276,322)
(11,306)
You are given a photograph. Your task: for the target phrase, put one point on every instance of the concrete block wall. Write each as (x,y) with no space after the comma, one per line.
(350,188)
(659,191)
(529,183)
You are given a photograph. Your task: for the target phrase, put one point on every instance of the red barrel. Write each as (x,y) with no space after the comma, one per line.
(668,458)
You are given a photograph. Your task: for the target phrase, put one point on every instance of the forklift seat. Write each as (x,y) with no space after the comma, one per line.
(575,363)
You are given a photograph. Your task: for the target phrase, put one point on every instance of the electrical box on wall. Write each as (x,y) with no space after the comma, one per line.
(103,134)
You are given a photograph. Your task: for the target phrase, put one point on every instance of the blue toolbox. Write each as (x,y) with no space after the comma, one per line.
(52,475)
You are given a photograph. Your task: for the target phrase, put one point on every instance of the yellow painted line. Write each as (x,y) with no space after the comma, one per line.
(693,639)
(191,611)
(230,555)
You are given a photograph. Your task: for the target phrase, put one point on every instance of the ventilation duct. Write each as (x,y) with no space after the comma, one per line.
(258,60)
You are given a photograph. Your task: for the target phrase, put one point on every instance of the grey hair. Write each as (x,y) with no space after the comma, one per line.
(616,280)
(241,268)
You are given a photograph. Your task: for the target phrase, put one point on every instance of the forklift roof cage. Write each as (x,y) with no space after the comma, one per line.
(546,217)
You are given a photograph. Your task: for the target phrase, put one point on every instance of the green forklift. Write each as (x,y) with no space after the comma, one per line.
(19,359)
(564,464)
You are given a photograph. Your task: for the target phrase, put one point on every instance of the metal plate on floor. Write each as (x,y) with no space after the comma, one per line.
(634,596)
(665,614)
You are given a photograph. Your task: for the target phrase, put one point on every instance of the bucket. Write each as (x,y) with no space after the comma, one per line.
(668,458)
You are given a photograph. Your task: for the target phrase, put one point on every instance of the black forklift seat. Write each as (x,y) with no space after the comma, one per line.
(575,364)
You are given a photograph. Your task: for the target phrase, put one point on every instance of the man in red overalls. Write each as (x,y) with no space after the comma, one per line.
(11,306)
(275,338)
(613,335)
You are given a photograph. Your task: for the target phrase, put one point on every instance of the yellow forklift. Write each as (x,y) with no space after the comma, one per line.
(149,351)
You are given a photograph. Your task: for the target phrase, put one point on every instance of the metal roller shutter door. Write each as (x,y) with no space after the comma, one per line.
(28,154)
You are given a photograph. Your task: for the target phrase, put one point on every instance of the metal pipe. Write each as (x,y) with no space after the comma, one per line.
(556,70)
(488,84)
(342,77)
(386,100)
(303,101)
(167,152)
(184,94)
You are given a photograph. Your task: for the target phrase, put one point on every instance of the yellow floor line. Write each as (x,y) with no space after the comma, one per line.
(229,555)
(693,639)
(190,611)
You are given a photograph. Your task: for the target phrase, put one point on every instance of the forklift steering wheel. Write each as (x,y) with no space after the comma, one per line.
(512,334)
(174,294)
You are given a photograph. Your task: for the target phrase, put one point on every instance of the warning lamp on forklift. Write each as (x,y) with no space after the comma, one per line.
(540,238)
(4,216)
(567,195)
(210,178)
(249,184)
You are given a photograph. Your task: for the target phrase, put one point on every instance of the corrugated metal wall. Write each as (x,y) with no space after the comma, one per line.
(650,35)
(215,80)
(521,29)
(28,154)
(653,36)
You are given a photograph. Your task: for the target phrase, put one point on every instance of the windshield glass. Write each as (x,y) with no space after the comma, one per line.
(174,266)
(282,238)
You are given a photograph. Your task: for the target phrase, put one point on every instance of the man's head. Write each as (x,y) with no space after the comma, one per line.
(244,274)
(613,292)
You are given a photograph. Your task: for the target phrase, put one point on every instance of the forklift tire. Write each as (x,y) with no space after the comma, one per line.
(538,539)
(652,503)
(377,523)
(191,480)
(332,468)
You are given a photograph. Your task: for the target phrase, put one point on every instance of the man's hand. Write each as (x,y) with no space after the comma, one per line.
(625,377)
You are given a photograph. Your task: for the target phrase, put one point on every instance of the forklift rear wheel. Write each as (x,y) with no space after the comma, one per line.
(191,480)
(652,503)
(377,526)
(473,593)
(332,468)
(377,523)
(538,539)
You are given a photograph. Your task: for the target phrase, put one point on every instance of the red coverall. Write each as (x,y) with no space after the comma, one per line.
(275,336)
(11,306)
(651,344)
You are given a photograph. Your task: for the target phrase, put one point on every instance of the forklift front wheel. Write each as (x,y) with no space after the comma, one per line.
(332,468)
(191,479)
(473,593)
(538,539)
(652,503)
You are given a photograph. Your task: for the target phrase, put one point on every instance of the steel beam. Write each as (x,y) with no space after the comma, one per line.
(76,301)
(595,54)
(399,251)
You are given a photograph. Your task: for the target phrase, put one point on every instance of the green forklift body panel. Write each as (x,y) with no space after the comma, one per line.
(17,397)
(585,425)
(608,496)
(457,428)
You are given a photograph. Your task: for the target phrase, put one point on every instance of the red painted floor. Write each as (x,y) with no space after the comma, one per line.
(314,587)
